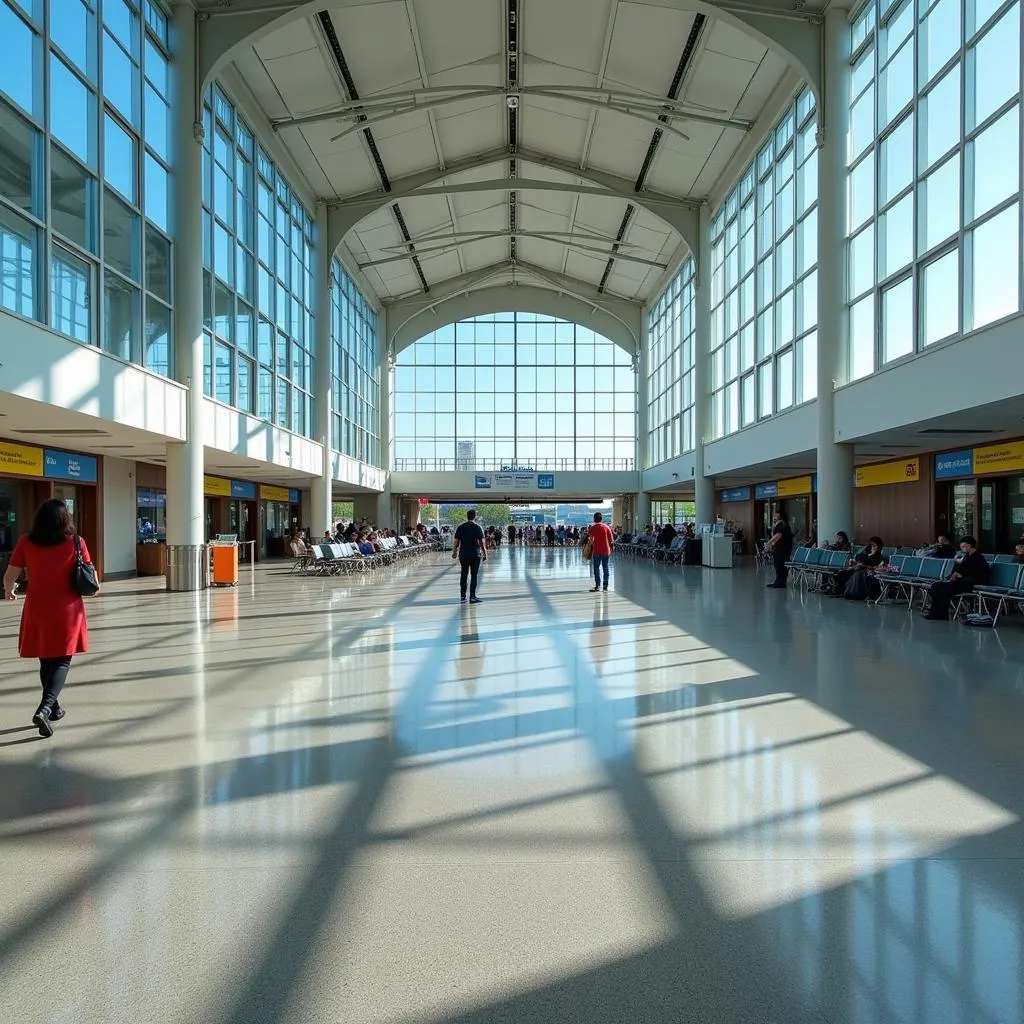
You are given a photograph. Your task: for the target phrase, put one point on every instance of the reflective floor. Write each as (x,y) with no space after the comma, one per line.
(688,800)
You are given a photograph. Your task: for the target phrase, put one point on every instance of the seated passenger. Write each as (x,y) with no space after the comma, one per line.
(870,558)
(841,543)
(666,536)
(365,547)
(969,570)
(1019,552)
(942,548)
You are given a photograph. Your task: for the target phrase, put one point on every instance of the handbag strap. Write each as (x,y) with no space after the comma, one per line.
(78,550)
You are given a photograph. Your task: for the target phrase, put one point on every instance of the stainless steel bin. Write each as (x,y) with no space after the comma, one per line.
(188,567)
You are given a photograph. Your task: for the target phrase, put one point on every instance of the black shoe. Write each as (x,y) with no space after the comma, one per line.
(41,720)
(605,587)
(463,599)
(594,590)
(474,600)
(57,713)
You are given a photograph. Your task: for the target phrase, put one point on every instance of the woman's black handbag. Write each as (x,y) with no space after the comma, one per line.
(83,576)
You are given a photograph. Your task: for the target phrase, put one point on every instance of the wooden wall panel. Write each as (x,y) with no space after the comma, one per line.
(903,515)
(148,475)
(740,513)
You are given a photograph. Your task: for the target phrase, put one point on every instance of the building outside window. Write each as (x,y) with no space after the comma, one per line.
(670,339)
(933,216)
(258,242)
(763,347)
(518,389)
(355,371)
(84,118)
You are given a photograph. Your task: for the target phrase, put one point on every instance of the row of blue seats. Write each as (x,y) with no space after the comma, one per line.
(334,559)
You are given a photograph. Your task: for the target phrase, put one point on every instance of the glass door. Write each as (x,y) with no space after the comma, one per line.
(962,496)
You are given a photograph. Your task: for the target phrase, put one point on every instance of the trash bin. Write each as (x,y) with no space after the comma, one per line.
(187,567)
(225,564)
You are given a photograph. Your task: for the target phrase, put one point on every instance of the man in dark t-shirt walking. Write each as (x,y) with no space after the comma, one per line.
(470,549)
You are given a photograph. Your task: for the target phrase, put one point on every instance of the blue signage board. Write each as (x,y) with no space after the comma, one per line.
(293,495)
(736,494)
(482,482)
(762,491)
(950,465)
(545,481)
(65,466)
(243,489)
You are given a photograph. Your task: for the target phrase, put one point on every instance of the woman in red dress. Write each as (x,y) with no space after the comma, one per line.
(53,626)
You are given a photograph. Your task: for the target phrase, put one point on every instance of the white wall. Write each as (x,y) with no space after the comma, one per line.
(119,516)
(570,484)
(671,474)
(37,364)
(240,434)
(986,367)
(792,433)
(357,474)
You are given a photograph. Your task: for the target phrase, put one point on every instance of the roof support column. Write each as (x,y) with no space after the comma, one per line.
(703,485)
(385,506)
(835,461)
(186,522)
(323,312)
(642,369)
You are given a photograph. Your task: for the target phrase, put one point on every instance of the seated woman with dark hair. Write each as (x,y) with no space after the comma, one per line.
(841,543)
(870,558)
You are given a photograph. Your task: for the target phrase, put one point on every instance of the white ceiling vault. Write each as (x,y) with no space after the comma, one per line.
(563,144)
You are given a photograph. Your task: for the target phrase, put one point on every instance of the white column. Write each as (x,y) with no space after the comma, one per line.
(320,489)
(642,511)
(641,367)
(385,506)
(703,486)
(185,519)
(835,461)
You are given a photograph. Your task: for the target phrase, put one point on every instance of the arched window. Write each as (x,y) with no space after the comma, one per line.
(514,389)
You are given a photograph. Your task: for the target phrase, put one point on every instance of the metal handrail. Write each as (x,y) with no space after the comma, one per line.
(498,465)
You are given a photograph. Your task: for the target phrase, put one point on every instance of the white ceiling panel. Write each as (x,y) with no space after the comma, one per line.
(305,82)
(553,128)
(646,46)
(485,253)
(587,269)
(454,33)
(378,46)
(768,75)
(729,40)
(292,38)
(569,34)
(719,82)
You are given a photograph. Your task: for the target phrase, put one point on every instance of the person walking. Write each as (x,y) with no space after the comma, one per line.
(470,548)
(599,537)
(781,549)
(53,624)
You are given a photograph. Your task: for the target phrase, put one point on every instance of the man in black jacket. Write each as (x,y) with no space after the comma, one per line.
(781,546)
(969,571)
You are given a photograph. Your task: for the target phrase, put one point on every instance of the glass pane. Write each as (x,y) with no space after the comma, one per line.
(995,68)
(785,380)
(861,199)
(862,125)
(21,55)
(74,31)
(245,390)
(158,264)
(898,320)
(765,388)
(120,80)
(938,38)
(157,334)
(18,239)
(20,160)
(940,214)
(809,367)
(157,185)
(897,85)
(222,373)
(71,295)
(995,177)
(157,127)
(121,319)
(896,161)
(940,119)
(862,337)
(995,270)
(119,159)
(940,298)
(862,261)
(73,192)
(896,237)
(72,111)
(121,242)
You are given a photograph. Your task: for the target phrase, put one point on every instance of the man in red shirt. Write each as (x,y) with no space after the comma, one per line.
(600,538)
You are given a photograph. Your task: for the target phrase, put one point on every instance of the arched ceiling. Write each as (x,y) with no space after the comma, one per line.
(464,140)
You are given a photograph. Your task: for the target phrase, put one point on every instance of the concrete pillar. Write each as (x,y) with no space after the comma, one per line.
(703,486)
(616,512)
(642,511)
(185,518)
(320,490)
(835,461)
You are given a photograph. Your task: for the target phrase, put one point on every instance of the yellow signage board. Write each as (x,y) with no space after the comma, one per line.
(999,458)
(22,459)
(795,485)
(270,493)
(906,471)
(217,486)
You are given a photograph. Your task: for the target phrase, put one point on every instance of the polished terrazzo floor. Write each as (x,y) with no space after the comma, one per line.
(688,800)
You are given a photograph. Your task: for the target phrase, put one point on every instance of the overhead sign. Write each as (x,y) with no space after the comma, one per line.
(21,459)
(517,469)
(999,458)
(294,496)
(515,481)
(217,486)
(424,501)
(270,493)
(245,489)
(735,494)
(906,471)
(770,490)
(545,481)
(950,465)
(794,486)
(69,466)
(482,481)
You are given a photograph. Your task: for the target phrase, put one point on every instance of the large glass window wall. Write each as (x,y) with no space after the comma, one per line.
(84,173)
(355,371)
(258,243)
(670,338)
(514,389)
(763,347)
(933,179)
